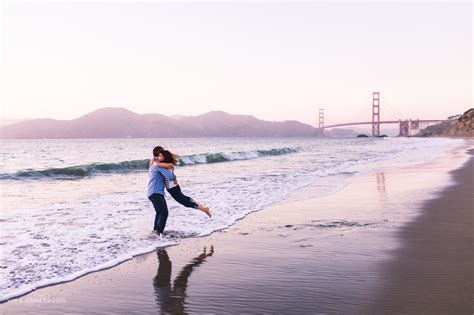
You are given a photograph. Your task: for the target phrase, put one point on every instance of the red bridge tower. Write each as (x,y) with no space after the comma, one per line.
(321,122)
(375,114)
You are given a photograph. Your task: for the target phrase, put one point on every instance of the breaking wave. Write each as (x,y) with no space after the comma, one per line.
(81,171)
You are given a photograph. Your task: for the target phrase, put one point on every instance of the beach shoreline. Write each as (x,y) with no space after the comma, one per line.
(434,269)
(271,250)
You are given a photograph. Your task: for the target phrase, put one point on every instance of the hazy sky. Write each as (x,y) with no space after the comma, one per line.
(273,60)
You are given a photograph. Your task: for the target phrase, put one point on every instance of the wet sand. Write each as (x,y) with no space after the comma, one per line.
(433,272)
(399,241)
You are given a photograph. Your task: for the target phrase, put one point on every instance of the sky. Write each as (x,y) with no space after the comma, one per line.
(273,60)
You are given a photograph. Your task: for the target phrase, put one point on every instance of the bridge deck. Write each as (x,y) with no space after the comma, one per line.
(383,122)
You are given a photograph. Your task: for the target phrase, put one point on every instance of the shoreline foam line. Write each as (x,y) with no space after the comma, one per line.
(110,264)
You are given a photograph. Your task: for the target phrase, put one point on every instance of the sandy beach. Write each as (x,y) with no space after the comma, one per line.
(392,242)
(433,272)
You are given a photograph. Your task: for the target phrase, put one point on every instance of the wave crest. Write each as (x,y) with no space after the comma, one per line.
(209,158)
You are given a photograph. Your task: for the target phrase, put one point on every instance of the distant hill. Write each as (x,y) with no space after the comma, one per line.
(6,121)
(115,122)
(460,127)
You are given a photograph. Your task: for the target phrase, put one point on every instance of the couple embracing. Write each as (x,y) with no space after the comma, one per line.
(161,176)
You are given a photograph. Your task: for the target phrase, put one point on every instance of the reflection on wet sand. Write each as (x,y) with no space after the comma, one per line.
(171,298)
(381,185)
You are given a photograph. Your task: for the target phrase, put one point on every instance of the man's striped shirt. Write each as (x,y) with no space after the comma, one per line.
(157,177)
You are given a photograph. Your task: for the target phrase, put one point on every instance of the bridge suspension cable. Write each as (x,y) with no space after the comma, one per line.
(364,109)
(387,106)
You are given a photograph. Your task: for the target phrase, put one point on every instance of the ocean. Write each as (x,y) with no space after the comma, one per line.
(70,207)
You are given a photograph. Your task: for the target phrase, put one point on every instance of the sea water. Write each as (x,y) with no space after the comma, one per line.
(69,207)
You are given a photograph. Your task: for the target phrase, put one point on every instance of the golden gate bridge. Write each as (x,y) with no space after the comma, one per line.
(406,127)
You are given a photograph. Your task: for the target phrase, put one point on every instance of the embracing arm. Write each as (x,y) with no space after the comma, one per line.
(169,166)
(156,163)
(168,176)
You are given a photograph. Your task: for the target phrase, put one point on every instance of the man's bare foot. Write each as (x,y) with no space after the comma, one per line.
(206,210)
(153,235)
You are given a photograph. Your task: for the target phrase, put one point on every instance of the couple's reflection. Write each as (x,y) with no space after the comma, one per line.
(171,297)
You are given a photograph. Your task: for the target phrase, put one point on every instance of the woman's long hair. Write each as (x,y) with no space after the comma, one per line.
(169,157)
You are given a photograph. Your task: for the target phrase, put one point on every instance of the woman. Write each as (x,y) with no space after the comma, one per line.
(165,158)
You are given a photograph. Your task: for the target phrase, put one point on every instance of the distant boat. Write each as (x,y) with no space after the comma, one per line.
(382,136)
(362,136)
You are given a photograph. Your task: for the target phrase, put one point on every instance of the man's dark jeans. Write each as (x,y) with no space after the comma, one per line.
(161,209)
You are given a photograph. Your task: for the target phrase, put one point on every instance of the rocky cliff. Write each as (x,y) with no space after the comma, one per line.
(461,127)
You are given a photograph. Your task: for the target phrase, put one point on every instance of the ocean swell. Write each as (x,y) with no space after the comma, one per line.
(81,171)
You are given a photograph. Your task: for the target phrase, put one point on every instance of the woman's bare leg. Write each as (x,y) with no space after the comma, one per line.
(206,210)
